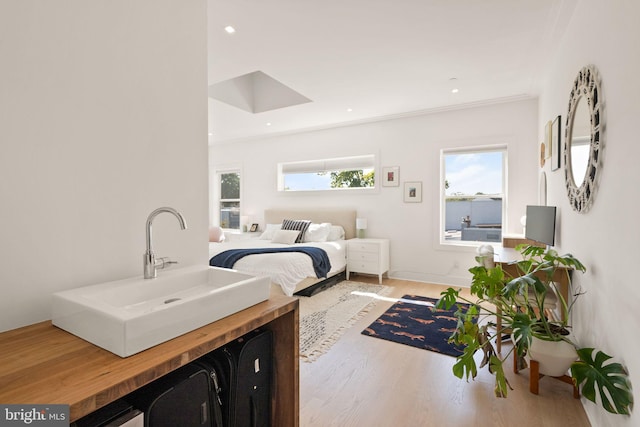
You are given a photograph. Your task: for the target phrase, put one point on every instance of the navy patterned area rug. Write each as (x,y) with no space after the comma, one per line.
(410,321)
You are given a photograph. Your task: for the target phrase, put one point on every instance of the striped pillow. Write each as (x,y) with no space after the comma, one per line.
(298,224)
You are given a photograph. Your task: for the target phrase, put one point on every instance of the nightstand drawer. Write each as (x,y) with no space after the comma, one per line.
(364,256)
(364,247)
(364,266)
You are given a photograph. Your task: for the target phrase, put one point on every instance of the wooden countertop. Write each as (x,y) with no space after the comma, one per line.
(42,364)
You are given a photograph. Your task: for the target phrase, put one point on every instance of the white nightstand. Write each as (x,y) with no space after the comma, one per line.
(368,256)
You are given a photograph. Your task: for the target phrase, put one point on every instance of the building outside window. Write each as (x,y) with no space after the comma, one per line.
(473,195)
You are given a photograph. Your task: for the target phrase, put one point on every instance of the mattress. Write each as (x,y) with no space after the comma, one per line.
(285,269)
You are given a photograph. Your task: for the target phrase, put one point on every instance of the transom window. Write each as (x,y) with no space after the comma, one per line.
(473,195)
(342,173)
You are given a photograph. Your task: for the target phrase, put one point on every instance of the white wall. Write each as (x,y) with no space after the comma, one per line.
(102,119)
(605,34)
(413,144)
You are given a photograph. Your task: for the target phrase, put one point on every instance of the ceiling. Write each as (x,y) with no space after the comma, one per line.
(365,60)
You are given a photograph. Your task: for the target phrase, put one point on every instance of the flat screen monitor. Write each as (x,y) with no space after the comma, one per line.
(541,224)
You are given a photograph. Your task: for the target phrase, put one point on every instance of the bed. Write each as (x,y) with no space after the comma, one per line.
(295,272)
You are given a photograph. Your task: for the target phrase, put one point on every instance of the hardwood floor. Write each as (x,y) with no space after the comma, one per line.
(364,381)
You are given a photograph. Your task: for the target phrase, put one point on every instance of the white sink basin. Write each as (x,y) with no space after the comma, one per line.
(131,315)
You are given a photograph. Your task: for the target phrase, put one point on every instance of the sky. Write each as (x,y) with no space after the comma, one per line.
(470,173)
(307,181)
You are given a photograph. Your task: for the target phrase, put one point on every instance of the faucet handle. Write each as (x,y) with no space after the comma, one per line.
(164,262)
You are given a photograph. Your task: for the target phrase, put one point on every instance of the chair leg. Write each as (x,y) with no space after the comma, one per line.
(534,379)
(534,376)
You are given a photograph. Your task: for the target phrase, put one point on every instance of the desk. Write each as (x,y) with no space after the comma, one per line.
(504,256)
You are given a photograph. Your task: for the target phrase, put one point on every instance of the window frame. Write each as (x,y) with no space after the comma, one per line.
(218,200)
(500,147)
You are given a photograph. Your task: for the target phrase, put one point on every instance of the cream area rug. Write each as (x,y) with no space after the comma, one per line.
(325,316)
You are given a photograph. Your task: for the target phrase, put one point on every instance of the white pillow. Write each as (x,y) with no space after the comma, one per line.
(317,232)
(269,231)
(288,237)
(336,233)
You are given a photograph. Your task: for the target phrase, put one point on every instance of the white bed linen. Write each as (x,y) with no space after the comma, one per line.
(287,269)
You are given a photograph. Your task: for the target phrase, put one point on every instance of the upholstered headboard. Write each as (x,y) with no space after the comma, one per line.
(344,217)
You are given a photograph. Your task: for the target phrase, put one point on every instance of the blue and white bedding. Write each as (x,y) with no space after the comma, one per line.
(319,258)
(286,269)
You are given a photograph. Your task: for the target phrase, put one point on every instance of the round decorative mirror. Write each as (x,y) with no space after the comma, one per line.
(583,139)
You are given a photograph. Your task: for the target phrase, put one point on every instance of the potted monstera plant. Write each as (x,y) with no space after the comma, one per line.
(517,301)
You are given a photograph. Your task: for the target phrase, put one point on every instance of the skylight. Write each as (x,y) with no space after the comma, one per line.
(256,92)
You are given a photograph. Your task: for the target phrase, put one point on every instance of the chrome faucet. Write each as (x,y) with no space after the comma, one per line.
(151,264)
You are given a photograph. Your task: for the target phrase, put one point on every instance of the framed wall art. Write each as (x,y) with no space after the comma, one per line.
(547,140)
(556,147)
(391,176)
(413,192)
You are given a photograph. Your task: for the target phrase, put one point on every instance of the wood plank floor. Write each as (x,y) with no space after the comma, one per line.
(365,381)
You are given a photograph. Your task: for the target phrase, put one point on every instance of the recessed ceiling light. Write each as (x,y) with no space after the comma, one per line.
(349,110)
(210,133)
(454,90)
(268,123)
(229,29)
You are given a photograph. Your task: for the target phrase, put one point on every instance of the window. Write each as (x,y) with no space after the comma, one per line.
(473,202)
(344,173)
(229,199)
